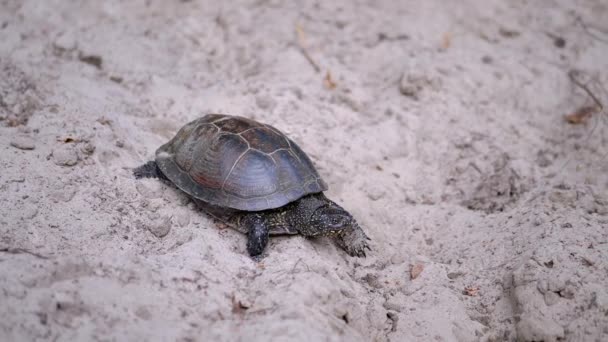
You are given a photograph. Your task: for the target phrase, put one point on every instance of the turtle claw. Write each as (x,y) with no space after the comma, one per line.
(354,242)
(358,251)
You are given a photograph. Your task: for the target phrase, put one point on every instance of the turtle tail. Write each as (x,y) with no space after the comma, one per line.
(148,170)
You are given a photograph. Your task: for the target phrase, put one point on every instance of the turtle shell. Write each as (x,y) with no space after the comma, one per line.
(239,163)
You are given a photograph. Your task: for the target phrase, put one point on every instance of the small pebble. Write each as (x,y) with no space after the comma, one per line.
(23,143)
(63,194)
(183,218)
(160,228)
(559,42)
(416,270)
(63,300)
(150,188)
(411,85)
(65,41)
(65,156)
(29,212)
(155,204)
(265,102)
(375,192)
(398,259)
(392,304)
(143,313)
(372,280)
(487,59)
(454,275)
(551,298)
(408,89)
(88,148)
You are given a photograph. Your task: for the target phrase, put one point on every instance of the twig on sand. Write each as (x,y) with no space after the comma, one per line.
(446,40)
(581,115)
(590,33)
(304,50)
(297,263)
(11,250)
(329,82)
(573,74)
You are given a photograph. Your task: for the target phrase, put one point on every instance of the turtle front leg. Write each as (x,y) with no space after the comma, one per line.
(257,233)
(353,240)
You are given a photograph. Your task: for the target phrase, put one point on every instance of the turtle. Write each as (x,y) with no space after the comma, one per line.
(254,179)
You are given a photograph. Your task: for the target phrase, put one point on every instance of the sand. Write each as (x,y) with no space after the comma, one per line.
(439,125)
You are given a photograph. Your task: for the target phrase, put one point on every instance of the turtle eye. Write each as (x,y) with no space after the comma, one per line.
(331,219)
(337,221)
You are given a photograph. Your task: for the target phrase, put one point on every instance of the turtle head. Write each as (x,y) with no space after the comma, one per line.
(327,221)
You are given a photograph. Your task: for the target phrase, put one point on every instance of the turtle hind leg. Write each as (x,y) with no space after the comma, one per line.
(149,170)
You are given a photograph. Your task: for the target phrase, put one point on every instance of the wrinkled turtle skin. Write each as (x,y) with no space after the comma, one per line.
(255,179)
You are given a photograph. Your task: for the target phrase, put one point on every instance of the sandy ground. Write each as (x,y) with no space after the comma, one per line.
(440,127)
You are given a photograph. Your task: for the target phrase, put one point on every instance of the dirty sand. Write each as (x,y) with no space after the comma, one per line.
(439,125)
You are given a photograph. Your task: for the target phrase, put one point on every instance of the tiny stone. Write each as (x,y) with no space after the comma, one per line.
(487,59)
(375,192)
(372,280)
(568,292)
(88,148)
(65,42)
(161,227)
(150,188)
(23,143)
(559,42)
(183,218)
(543,159)
(153,215)
(265,102)
(551,298)
(393,305)
(29,212)
(454,275)
(408,89)
(65,156)
(93,60)
(398,259)
(116,79)
(507,33)
(63,194)
(411,85)
(143,313)
(63,300)
(297,92)
(183,200)
(600,300)
(415,271)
